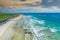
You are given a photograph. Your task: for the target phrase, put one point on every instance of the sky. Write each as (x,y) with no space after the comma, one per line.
(30,6)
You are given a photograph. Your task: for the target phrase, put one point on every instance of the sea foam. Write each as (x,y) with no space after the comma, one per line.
(53,30)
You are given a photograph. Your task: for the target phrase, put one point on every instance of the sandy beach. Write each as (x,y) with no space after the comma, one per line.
(6,29)
(18,35)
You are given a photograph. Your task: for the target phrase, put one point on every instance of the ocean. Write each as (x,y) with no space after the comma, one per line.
(44,25)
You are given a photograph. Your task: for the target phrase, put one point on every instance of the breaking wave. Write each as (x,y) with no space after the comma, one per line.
(39,28)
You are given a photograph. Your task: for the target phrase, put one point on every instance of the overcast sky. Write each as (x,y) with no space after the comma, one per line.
(30,6)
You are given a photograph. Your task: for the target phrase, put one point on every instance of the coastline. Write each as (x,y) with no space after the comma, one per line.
(7,27)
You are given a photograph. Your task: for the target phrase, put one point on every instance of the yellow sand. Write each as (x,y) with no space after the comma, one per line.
(19,35)
(6,31)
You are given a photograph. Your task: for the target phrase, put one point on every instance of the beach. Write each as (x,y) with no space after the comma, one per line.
(6,30)
(31,27)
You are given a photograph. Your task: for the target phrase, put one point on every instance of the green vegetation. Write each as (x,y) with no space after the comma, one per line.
(4,16)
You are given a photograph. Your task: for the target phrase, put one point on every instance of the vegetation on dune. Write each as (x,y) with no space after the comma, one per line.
(4,16)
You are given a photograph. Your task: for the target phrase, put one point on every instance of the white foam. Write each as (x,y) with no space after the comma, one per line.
(53,30)
(40,22)
(36,29)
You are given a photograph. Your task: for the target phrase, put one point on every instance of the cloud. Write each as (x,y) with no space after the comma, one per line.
(51,8)
(16,3)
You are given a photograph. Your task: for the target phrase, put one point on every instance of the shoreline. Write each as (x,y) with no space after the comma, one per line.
(8,26)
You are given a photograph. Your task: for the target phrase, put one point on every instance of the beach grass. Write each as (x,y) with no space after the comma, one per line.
(4,16)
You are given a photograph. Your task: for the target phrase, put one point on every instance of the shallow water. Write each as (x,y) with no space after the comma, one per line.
(44,26)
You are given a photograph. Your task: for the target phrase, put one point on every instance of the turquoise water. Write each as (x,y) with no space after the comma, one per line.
(44,26)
